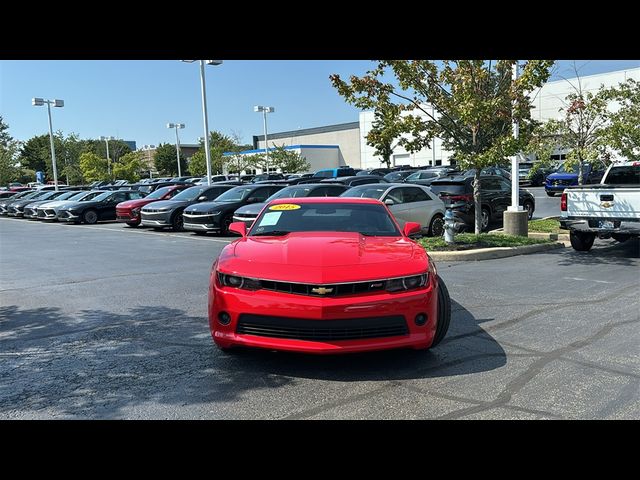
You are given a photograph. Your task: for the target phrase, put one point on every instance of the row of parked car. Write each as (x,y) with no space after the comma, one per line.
(181,205)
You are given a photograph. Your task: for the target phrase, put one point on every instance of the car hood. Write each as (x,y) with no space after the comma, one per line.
(337,257)
(56,203)
(253,209)
(74,204)
(37,203)
(171,204)
(137,203)
(22,203)
(563,176)
(205,207)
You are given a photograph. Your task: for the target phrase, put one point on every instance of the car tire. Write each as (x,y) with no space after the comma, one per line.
(582,241)
(550,194)
(133,224)
(444,313)
(90,217)
(485,219)
(436,227)
(528,206)
(224,224)
(177,224)
(197,232)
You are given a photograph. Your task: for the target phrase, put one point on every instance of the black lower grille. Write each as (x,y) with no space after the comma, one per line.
(303,329)
(331,290)
(199,219)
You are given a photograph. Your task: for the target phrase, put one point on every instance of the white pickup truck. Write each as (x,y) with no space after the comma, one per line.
(609,209)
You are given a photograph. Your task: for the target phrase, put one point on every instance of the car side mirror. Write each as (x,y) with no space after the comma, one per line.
(202,198)
(238,227)
(389,201)
(411,228)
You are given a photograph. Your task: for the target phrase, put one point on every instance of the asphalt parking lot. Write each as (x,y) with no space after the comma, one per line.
(105,321)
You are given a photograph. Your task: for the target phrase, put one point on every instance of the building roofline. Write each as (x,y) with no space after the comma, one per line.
(288,147)
(307,131)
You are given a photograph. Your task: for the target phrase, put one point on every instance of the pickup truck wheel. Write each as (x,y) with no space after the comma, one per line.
(582,241)
(444,313)
(551,194)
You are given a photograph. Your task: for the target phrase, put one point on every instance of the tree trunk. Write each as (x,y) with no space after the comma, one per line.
(387,160)
(476,202)
(580,173)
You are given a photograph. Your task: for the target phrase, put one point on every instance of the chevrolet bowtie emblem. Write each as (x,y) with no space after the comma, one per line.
(606,204)
(322,290)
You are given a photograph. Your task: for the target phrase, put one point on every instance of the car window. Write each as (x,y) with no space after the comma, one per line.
(335,191)
(397,195)
(628,175)
(213,193)
(262,193)
(490,184)
(426,175)
(505,187)
(364,181)
(414,194)
(134,195)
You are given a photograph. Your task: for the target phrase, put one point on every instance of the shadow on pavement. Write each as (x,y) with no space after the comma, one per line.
(609,252)
(96,363)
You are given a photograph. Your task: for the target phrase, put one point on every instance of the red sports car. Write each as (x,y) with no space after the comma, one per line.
(326,275)
(129,211)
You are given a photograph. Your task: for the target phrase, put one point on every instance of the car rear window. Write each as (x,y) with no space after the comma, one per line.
(628,175)
(451,188)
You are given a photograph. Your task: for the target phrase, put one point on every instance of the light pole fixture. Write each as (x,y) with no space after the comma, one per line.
(265,110)
(38,102)
(177,126)
(205,119)
(106,142)
(148,149)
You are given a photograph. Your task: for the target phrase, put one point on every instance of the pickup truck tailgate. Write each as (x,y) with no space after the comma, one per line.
(603,202)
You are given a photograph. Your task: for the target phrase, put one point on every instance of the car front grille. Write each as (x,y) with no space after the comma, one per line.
(63,214)
(321,330)
(41,213)
(332,290)
(198,218)
(29,212)
(146,215)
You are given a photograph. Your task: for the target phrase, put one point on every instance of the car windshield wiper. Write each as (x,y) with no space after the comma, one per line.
(272,233)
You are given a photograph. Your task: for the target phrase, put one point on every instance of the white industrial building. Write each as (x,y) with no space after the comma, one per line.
(345,144)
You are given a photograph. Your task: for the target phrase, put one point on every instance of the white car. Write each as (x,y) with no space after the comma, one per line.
(49,211)
(407,203)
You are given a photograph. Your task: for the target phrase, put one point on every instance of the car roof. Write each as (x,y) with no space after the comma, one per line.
(327,200)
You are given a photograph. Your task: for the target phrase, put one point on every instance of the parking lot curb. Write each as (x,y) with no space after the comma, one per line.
(561,237)
(493,253)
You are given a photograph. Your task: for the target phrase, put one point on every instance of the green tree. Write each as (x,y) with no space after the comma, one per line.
(198,163)
(622,133)
(35,152)
(287,161)
(129,167)
(474,102)
(166,160)
(5,138)
(384,133)
(9,172)
(219,144)
(93,167)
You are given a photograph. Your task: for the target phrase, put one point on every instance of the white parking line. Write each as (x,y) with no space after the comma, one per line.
(123,230)
(578,279)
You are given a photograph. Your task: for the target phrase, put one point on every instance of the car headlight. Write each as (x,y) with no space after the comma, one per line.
(406,283)
(238,282)
(214,212)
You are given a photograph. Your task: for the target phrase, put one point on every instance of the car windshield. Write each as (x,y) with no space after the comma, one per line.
(365,218)
(159,193)
(25,195)
(145,188)
(290,192)
(101,196)
(67,195)
(449,188)
(365,191)
(395,176)
(88,196)
(235,194)
(190,194)
(324,173)
(572,168)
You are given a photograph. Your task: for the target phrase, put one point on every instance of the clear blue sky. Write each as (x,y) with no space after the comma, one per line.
(134,100)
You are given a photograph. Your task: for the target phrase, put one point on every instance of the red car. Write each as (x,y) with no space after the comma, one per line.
(326,275)
(129,211)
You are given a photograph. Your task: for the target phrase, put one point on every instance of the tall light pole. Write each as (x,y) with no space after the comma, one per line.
(148,148)
(177,126)
(265,110)
(205,119)
(515,181)
(38,102)
(106,142)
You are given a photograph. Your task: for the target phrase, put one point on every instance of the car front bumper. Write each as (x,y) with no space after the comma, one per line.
(309,312)
(201,223)
(66,216)
(127,216)
(156,219)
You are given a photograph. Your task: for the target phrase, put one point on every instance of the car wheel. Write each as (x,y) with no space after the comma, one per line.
(528,206)
(90,217)
(133,224)
(436,227)
(224,224)
(550,194)
(582,241)
(620,237)
(484,219)
(197,232)
(444,313)
(177,222)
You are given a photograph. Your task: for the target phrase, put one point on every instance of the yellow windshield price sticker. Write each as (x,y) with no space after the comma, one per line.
(285,206)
